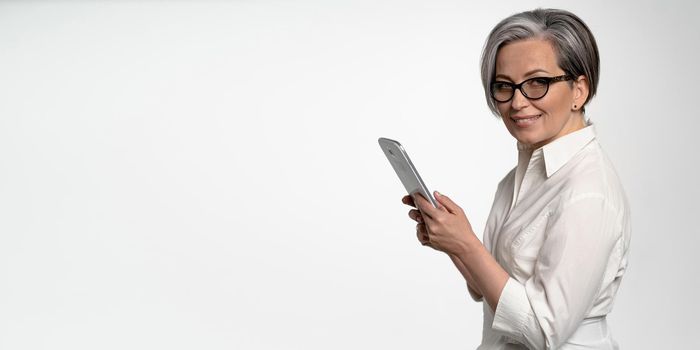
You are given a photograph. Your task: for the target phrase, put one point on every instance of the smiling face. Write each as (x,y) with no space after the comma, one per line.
(538,122)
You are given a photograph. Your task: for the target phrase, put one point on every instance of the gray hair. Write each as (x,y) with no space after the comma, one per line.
(571,39)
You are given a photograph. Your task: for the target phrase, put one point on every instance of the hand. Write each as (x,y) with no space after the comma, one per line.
(445,228)
(416,215)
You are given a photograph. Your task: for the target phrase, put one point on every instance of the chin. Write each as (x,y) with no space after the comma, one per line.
(527,142)
(527,137)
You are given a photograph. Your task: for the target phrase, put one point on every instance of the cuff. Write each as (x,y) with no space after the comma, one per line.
(512,310)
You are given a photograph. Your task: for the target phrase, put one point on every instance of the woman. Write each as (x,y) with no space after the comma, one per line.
(557,238)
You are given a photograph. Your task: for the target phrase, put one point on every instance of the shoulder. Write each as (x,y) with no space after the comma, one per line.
(589,194)
(506,182)
(504,190)
(590,175)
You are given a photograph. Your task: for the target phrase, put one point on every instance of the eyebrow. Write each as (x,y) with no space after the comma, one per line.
(539,70)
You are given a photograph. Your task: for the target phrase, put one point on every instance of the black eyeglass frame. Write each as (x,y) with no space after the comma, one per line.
(549,81)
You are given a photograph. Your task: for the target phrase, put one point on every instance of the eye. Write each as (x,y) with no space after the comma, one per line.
(538,82)
(501,86)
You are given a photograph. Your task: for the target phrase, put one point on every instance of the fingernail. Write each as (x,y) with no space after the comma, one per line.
(438,193)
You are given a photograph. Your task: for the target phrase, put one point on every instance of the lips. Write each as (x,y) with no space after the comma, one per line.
(525,120)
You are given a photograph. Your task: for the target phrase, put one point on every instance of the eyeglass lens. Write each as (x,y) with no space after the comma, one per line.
(532,88)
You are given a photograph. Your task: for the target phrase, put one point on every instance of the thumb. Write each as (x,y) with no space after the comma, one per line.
(451,206)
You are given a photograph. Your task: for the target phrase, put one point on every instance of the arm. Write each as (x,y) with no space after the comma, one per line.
(447,229)
(546,309)
(474,291)
(482,270)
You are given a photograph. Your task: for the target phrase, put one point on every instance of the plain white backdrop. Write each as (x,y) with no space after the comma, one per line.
(206,174)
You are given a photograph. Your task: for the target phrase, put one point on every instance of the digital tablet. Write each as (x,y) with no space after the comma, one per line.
(404,169)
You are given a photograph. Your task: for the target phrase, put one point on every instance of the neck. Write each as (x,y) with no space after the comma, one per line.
(576,122)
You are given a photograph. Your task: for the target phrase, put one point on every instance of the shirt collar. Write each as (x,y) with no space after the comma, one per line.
(560,151)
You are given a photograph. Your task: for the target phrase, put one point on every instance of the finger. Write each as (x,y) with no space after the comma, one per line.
(422,234)
(408,200)
(425,207)
(437,214)
(446,202)
(415,215)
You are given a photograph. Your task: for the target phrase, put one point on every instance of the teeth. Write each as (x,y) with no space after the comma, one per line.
(526,120)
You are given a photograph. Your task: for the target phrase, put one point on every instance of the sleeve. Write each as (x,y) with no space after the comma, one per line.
(544,312)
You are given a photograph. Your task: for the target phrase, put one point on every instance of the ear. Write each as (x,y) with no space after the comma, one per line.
(580,92)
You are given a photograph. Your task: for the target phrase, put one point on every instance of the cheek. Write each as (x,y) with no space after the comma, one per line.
(546,108)
(503,109)
(558,104)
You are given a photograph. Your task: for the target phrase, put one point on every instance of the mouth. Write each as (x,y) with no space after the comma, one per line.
(526,120)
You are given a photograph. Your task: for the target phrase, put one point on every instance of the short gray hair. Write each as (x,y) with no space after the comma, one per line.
(571,39)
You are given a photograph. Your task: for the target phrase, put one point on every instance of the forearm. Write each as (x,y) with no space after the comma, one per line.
(485,274)
(467,276)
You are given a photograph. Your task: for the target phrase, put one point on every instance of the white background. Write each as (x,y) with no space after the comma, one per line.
(206,174)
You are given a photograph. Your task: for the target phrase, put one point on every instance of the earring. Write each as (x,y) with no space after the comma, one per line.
(574,106)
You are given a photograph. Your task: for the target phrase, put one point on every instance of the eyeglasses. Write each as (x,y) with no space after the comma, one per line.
(533,88)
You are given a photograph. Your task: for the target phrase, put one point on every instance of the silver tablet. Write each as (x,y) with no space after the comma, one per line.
(404,169)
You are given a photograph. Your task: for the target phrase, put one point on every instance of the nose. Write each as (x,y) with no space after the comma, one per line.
(519,100)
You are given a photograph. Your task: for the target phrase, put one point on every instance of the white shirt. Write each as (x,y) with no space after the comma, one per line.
(559,226)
